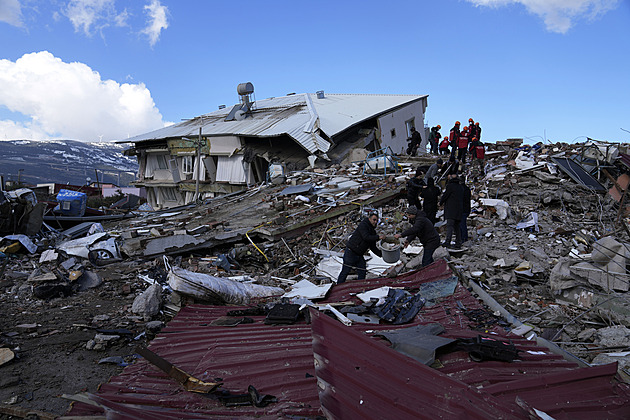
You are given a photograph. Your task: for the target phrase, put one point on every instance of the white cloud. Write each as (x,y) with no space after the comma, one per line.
(157,21)
(98,14)
(11,12)
(558,15)
(71,101)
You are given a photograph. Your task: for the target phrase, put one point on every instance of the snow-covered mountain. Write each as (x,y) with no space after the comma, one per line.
(66,161)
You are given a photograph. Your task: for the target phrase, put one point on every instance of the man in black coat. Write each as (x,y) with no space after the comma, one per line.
(465,210)
(364,237)
(414,142)
(425,232)
(430,195)
(453,201)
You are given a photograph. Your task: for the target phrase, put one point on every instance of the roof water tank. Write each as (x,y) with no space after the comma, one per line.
(245,88)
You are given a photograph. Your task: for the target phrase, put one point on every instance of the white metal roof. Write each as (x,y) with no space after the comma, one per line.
(298,116)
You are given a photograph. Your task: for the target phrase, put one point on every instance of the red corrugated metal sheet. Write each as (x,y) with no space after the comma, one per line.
(278,360)
(358,378)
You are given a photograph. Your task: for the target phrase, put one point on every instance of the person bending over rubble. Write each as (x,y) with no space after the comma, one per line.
(364,237)
(433,170)
(453,201)
(423,230)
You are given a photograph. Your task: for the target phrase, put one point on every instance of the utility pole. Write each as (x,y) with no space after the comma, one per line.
(197,165)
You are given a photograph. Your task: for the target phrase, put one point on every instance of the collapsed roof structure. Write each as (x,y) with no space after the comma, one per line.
(224,151)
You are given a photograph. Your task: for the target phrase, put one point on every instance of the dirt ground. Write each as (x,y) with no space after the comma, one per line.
(51,357)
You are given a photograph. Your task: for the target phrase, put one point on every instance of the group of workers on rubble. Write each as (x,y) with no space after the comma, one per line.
(422,215)
(461,142)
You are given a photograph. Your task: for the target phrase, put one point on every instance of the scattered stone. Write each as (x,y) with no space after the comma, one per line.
(617,336)
(154,326)
(89,280)
(69,263)
(6,355)
(27,328)
(100,318)
(148,303)
(105,338)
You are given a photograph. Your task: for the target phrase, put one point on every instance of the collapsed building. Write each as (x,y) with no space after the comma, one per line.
(227,150)
(530,321)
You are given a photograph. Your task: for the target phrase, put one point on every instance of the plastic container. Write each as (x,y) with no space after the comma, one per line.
(390,249)
(71,203)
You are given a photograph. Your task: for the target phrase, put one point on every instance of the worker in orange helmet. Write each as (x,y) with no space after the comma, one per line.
(477,131)
(454,136)
(462,146)
(471,127)
(434,138)
(444,146)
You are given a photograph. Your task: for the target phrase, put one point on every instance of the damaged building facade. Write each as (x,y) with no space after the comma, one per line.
(227,150)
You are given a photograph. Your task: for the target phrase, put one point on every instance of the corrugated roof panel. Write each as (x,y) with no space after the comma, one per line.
(289,115)
(337,112)
(279,360)
(358,378)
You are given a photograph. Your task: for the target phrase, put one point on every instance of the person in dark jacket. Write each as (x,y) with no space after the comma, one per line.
(453,201)
(477,131)
(414,185)
(454,137)
(414,142)
(364,237)
(422,229)
(465,211)
(434,138)
(433,170)
(430,195)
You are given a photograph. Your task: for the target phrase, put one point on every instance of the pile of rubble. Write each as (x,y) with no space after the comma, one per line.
(549,244)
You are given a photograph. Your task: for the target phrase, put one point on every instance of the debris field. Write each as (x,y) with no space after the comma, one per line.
(238,295)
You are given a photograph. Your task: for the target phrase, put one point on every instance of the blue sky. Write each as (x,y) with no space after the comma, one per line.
(108,69)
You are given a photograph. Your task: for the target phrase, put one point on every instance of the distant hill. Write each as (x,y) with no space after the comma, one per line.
(66,162)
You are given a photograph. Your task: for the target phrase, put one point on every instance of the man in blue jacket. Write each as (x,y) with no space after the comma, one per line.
(364,237)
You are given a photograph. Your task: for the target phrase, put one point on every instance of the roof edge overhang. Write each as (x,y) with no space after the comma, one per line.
(388,110)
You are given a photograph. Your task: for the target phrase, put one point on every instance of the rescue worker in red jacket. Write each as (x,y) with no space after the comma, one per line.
(444,146)
(477,131)
(454,136)
(477,152)
(471,128)
(462,146)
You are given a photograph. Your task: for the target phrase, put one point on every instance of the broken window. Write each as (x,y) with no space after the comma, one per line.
(392,133)
(161,162)
(187,164)
(169,194)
